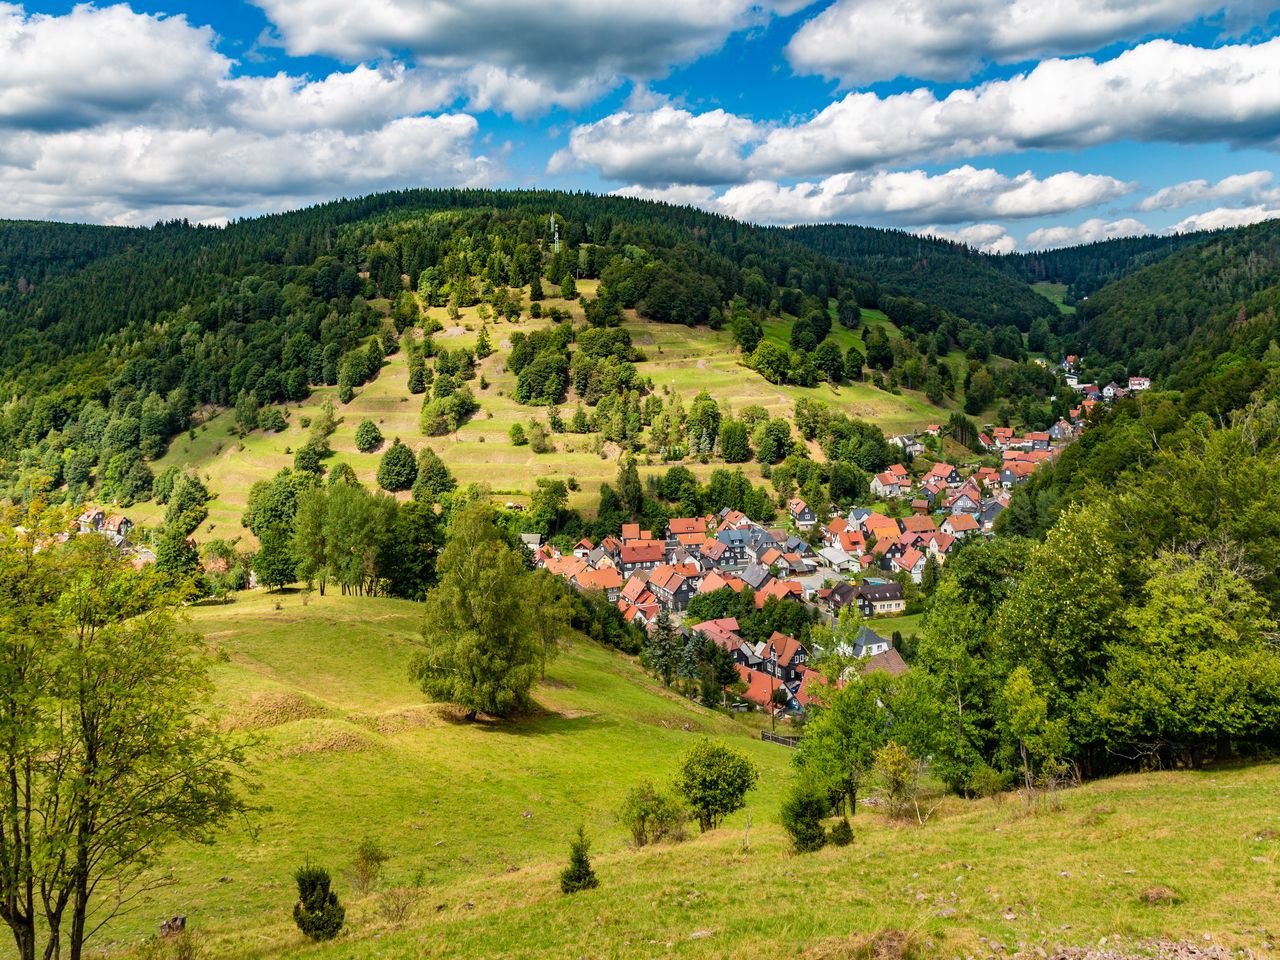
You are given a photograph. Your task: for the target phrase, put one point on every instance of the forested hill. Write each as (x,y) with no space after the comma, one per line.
(1201,311)
(33,251)
(941,272)
(1088,268)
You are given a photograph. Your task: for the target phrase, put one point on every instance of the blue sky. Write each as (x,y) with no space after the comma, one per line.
(1010,124)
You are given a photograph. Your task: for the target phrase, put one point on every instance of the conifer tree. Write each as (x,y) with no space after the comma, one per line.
(579,875)
(317,913)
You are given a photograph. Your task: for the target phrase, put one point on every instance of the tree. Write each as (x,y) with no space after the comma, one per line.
(804,807)
(434,479)
(1041,741)
(398,468)
(651,815)
(275,563)
(176,557)
(480,644)
(715,779)
(578,875)
(734,446)
(899,775)
(568,287)
(662,648)
(518,437)
(980,394)
(109,751)
(829,361)
(368,436)
(839,743)
(317,913)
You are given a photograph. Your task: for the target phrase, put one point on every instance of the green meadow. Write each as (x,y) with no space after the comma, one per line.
(481,813)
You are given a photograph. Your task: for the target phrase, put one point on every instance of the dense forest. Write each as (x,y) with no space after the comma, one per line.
(1089,267)
(946,274)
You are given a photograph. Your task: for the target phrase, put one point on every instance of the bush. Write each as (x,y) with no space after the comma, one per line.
(367,866)
(650,815)
(368,436)
(518,439)
(272,419)
(899,774)
(842,833)
(317,913)
(804,808)
(714,779)
(578,875)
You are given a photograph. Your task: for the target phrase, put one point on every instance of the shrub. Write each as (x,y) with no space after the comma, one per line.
(317,913)
(368,436)
(272,419)
(714,779)
(804,808)
(367,866)
(651,815)
(899,775)
(578,875)
(518,437)
(842,833)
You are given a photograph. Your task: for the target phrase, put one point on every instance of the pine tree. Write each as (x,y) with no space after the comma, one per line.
(568,287)
(579,875)
(535,289)
(317,913)
(368,436)
(483,347)
(434,478)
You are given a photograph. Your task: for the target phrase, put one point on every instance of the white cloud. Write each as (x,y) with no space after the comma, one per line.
(987,237)
(94,64)
(115,116)
(1197,191)
(662,146)
(560,52)
(863,41)
(135,174)
(1226,217)
(1091,231)
(1159,92)
(907,197)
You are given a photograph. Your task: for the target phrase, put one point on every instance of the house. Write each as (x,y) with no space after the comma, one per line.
(715,580)
(918,524)
(783,657)
(837,559)
(583,548)
(606,579)
(911,561)
(866,643)
(1039,440)
(713,552)
(91,521)
(832,600)
(991,510)
(117,527)
(1062,430)
(801,515)
(945,472)
(762,687)
(1138,384)
(639,555)
(671,588)
(736,543)
(933,429)
(965,501)
(756,576)
(853,543)
(986,442)
(889,661)
(831,532)
(881,527)
(960,525)
(779,590)
(876,598)
(886,486)
(908,444)
(1015,472)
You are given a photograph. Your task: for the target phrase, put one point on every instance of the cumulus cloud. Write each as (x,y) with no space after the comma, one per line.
(863,41)
(532,55)
(903,198)
(1159,91)
(987,237)
(1197,191)
(116,116)
(662,146)
(1226,217)
(1091,231)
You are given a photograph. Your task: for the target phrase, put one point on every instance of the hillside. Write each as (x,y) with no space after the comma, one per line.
(484,811)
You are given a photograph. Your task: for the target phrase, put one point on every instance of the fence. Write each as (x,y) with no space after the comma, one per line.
(783,739)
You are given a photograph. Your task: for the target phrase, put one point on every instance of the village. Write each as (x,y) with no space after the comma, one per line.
(863,563)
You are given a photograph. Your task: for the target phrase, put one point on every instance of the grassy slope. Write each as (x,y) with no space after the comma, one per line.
(451,799)
(679,358)
(1054,293)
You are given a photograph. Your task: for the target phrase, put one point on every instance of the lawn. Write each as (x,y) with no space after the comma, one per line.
(484,811)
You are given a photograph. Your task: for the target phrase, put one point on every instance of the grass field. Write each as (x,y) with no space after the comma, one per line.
(350,750)
(680,359)
(1054,293)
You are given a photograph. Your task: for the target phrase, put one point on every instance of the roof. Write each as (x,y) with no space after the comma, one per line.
(881,591)
(636,587)
(666,577)
(813,687)
(781,589)
(605,578)
(642,551)
(918,524)
(760,686)
(796,506)
(785,647)
(889,662)
(961,522)
(679,525)
(910,557)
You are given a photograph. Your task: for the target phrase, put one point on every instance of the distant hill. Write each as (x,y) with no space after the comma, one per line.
(941,272)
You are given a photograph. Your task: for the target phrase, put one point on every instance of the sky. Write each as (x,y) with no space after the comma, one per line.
(1007,124)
